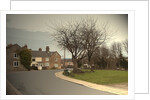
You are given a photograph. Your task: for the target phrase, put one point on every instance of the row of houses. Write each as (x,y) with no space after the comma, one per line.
(46,59)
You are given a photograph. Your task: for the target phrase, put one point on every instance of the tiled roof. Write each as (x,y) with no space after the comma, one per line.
(41,54)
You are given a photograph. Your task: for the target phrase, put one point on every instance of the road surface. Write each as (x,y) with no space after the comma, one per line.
(46,83)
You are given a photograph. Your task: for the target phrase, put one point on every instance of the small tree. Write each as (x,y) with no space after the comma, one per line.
(25,58)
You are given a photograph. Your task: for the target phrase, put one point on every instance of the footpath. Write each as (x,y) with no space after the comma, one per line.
(106,88)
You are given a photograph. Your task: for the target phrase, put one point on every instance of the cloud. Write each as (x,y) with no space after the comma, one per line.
(34,40)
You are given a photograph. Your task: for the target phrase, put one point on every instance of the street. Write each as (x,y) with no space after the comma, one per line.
(46,83)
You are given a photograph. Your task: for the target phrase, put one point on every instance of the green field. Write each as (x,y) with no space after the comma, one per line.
(104,76)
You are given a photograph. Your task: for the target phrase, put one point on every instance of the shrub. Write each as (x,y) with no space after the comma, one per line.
(25,58)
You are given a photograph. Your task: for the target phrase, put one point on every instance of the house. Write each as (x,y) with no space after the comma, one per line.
(46,59)
(13,59)
(68,63)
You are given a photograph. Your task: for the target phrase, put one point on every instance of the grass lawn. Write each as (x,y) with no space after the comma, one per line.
(104,76)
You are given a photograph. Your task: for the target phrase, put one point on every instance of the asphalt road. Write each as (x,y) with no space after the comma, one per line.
(46,83)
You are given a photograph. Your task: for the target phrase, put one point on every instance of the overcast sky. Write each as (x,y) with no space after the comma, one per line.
(31,29)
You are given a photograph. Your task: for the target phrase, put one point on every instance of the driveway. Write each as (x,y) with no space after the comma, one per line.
(46,83)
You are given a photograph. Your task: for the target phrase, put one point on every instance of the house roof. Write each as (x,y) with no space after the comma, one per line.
(41,54)
(12,45)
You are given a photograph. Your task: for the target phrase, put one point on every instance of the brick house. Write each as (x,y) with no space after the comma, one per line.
(13,59)
(46,59)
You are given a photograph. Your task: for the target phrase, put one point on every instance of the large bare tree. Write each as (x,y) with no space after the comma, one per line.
(81,38)
(69,36)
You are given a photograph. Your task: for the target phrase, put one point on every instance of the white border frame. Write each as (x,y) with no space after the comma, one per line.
(141,27)
(130,57)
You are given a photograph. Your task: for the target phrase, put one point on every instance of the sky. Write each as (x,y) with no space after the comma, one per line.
(33,30)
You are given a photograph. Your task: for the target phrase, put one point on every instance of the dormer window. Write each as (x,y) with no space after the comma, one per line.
(15,55)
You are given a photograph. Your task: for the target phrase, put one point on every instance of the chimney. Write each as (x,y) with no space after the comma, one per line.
(47,49)
(40,49)
(25,46)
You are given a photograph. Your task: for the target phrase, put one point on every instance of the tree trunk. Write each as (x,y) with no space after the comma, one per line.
(89,63)
(75,67)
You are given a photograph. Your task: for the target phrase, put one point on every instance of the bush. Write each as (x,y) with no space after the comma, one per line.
(66,72)
(124,64)
(25,58)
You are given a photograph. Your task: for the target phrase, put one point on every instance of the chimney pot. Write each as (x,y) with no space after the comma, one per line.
(40,49)
(47,49)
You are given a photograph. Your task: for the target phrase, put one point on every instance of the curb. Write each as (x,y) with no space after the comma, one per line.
(93,85)
(12,89)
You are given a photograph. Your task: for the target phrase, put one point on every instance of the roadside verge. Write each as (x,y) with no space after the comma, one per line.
(92,85)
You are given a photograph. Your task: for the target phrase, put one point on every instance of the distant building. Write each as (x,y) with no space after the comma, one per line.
(12,58)
(68,63)
(46,59)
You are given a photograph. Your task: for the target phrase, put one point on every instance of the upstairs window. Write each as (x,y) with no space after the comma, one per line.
(56,59)
(47,59)
(15,55)
(33,59)
(55,54)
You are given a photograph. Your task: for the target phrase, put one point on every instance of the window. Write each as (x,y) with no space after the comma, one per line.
(15,55)
(33,59)
(56,59)
(55,65)
(16,63)
(33,65)
(46,64)
(55,54)
(40,64)
(47,59)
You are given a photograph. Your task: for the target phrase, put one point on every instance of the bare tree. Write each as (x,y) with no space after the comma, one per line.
(93,36)
(70,37)
(116,52)
(102,57)
(125,44)
(81,38)
(116,49)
